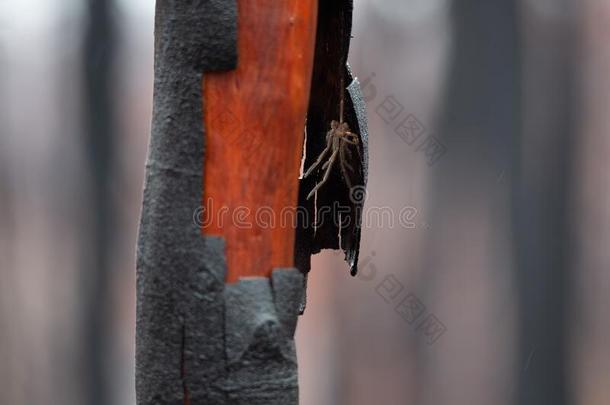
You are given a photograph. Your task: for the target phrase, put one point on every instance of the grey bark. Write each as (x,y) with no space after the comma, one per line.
(197,338)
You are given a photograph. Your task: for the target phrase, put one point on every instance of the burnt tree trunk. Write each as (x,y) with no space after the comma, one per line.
(199,339)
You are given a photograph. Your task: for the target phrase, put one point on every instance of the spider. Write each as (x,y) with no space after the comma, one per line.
(338,140)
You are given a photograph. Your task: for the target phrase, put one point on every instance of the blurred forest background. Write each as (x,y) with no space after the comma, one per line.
(507,251)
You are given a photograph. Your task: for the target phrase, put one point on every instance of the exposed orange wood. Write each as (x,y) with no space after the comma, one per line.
(254,119)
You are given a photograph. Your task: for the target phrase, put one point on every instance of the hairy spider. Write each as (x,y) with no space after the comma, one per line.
(338,141)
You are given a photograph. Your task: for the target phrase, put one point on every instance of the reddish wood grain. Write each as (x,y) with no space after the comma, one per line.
(254,119)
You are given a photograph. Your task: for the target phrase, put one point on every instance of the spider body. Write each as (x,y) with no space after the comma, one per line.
(339,140)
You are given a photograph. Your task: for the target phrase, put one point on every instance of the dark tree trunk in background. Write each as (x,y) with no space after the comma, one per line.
(99,131)
(467,272)
(508,115)
(541,187)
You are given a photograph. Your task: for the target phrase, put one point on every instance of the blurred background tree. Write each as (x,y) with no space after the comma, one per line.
(100,130)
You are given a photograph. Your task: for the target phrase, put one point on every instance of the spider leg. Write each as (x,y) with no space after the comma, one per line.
(351,138)
(343,163)
(319,160)
(325,165)
(329,168)
(346,152)
(356,142)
